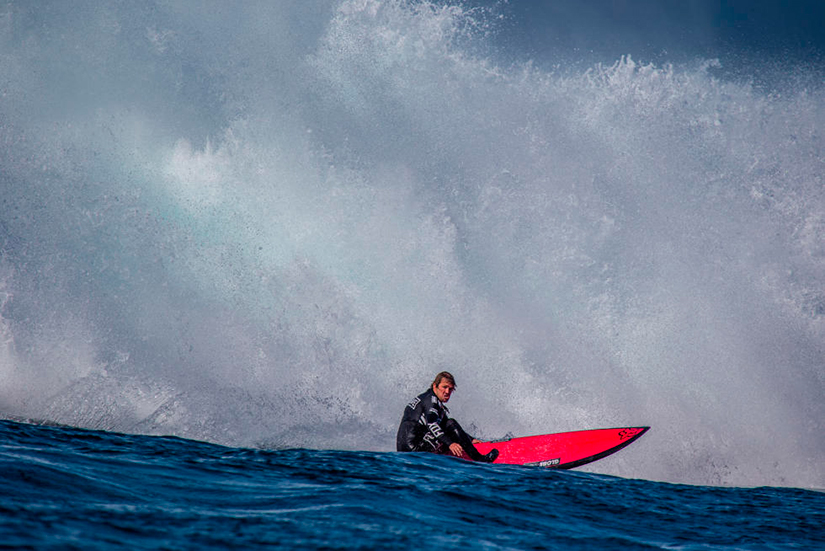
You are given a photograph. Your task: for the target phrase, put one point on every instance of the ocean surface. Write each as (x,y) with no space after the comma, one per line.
(68,488)
(267,225)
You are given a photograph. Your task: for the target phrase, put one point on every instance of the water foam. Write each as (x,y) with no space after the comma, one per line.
(276,238)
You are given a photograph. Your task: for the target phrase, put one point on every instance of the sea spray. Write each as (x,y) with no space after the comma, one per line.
(271,227)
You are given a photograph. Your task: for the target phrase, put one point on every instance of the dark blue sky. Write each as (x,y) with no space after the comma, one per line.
(663,30)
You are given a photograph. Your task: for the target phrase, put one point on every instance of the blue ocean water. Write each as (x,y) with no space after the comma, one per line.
(67,488)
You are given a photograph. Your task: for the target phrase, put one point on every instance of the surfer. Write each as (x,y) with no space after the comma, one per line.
(425,426)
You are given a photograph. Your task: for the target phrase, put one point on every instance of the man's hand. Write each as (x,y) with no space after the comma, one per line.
(456,449)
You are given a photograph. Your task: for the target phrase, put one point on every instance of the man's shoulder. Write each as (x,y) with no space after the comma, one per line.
(426,397)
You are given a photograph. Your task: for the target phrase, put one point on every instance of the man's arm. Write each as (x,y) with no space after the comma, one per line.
(433,419)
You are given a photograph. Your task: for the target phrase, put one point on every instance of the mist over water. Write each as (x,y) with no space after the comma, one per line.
(271,225)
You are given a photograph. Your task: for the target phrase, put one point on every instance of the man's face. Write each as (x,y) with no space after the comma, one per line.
(443,390)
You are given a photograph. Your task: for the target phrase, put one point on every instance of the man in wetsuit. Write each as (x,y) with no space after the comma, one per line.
(426,427)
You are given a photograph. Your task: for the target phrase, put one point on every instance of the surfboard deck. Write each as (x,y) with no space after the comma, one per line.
(562,450)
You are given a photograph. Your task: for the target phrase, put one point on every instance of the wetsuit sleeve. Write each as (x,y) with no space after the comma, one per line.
(434,418)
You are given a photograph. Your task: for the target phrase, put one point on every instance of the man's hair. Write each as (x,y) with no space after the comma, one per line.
(444,375)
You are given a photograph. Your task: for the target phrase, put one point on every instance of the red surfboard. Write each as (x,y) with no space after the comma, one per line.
(563,450)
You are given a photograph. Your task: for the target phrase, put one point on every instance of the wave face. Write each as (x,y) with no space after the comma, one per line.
(72,488)
(271,225)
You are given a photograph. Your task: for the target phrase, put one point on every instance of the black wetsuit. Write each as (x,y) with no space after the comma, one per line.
(426,427)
